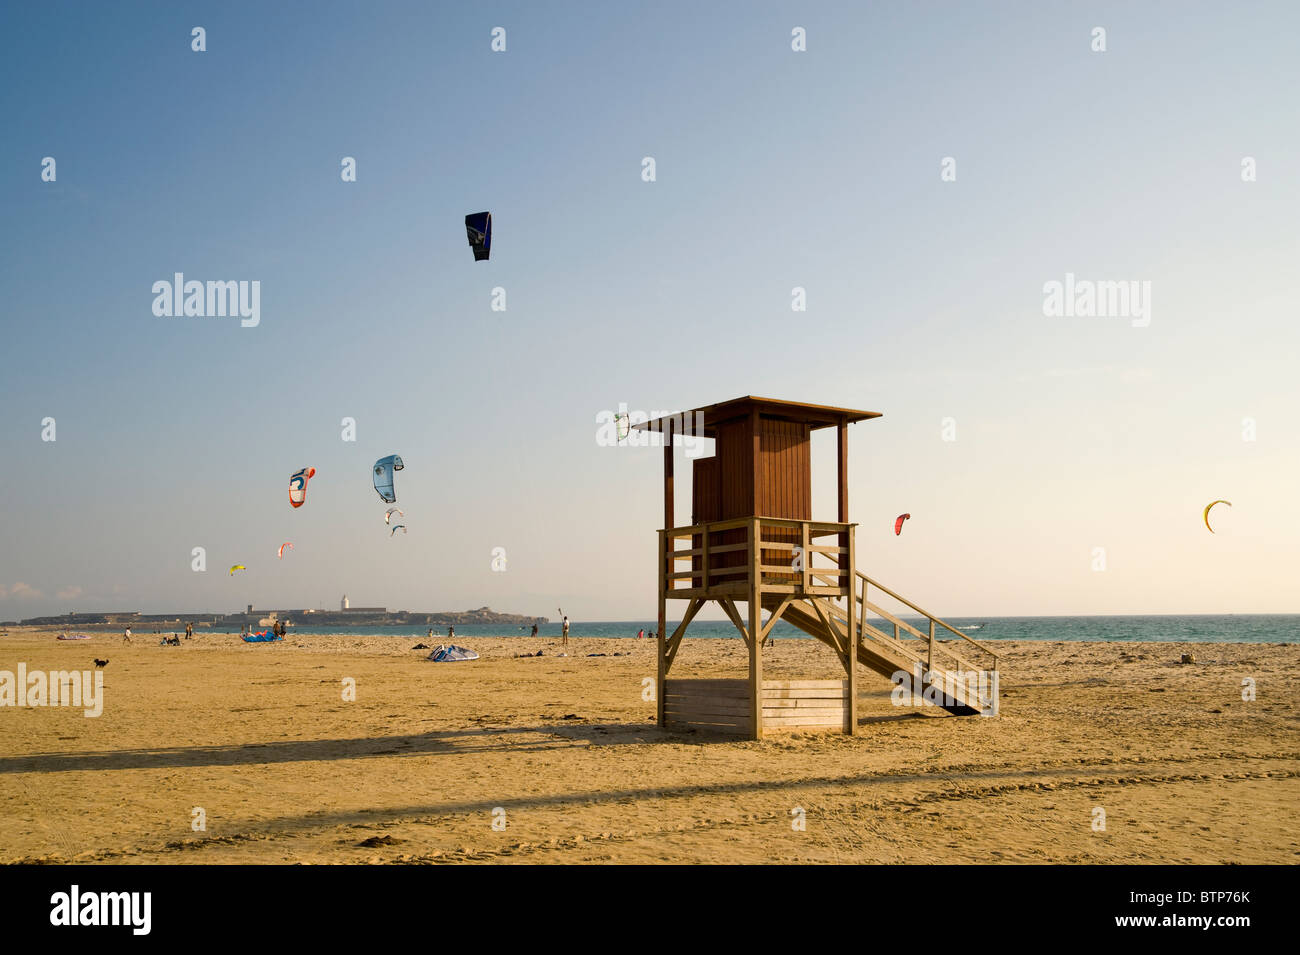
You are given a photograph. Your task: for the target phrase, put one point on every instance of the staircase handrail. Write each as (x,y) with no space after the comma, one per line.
(931,617)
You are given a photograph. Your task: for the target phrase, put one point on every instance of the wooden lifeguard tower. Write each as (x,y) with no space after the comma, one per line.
(752,539)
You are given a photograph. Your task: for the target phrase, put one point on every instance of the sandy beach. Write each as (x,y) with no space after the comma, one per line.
(563,754)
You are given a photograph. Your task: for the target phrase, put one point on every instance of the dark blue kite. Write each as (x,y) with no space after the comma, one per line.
(478,225)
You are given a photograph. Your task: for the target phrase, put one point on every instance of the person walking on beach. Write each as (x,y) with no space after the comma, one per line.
(126,635)
(565,632)
(640,633)
(451,633)
(534,633)
(189,630)
(430,633)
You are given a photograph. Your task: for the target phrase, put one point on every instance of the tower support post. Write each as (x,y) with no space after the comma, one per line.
(755,629)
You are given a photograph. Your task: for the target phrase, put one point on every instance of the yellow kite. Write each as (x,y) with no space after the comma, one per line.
(1205,515)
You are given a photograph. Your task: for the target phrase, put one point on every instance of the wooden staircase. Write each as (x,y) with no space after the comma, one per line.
(891,645)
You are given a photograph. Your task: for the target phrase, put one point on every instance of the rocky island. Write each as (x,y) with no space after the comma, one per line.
(349,617)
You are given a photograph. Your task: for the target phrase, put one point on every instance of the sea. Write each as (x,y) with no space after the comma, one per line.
(1198,628)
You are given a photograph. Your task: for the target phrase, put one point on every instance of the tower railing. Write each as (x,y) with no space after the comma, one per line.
(789,557)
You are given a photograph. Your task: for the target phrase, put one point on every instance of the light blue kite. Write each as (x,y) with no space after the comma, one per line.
(384,469)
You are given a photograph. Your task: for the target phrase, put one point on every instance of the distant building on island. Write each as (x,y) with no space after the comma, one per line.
(345,606)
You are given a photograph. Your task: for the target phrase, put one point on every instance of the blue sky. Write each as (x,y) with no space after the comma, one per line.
(775,169)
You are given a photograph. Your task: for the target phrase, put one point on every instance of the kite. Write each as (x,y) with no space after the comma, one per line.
(450,653)
(384,469)
(396,528)
(298,486)
(237,567)
(388,517)
(624,424)
(898,524)
(478,226)
(1205,515)
(280,553)
(263,637)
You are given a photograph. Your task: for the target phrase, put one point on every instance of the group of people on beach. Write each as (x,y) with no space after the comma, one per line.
(279,629)
(172,641)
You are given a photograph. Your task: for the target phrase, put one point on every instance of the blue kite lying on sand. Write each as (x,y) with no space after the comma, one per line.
(450,653)
(264,637)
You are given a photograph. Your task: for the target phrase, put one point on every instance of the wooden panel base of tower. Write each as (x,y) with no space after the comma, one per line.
(726,706)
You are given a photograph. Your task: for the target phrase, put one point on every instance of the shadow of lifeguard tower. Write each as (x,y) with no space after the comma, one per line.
(752,539)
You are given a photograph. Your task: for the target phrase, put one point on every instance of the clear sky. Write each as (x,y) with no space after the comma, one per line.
(774,169)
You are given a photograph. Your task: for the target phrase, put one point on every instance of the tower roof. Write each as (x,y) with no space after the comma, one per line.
(815,416)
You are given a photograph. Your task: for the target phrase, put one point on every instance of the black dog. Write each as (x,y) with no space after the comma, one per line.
(101,663)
